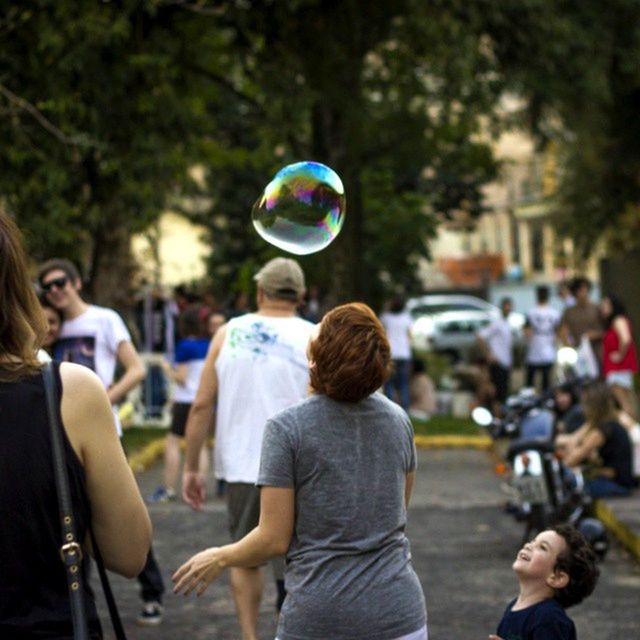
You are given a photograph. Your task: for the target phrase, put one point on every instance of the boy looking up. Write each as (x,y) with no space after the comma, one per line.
(555,571)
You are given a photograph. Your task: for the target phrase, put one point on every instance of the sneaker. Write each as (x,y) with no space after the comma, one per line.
(161,495)
(151,613)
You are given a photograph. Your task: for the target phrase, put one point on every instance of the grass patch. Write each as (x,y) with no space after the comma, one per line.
(447,426)
(135,438)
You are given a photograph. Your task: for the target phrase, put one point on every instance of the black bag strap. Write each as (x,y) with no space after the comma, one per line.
(71,550)
(116,622)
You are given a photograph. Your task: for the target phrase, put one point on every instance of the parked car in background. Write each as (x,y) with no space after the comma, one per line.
(448,323)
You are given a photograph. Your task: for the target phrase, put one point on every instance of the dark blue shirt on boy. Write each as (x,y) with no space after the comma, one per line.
(545,620)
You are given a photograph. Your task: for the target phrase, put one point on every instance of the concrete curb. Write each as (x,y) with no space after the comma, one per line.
(144,458)
(625,535)
(454,442)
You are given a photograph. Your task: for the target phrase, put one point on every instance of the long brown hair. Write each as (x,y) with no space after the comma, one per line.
(22,323)
(351,355)
(598,404)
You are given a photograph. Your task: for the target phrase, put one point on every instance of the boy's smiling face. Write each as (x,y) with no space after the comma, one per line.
(537,558)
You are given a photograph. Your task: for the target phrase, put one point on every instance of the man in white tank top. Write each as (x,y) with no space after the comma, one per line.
(256,366)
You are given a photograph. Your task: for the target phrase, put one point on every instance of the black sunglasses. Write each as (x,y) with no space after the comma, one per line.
(58,283)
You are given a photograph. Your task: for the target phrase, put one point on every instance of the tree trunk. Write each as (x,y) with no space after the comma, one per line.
(112,269)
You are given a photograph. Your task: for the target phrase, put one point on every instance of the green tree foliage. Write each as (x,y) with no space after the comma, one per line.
(95,113)
(104,106)
(390,95)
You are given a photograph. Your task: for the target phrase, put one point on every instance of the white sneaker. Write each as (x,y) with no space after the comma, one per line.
(151,613)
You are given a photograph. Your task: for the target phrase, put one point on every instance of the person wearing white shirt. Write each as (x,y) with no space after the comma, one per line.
(497,338)
(397,324)
(540,330)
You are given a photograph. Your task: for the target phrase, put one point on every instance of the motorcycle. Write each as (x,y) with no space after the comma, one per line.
(545,491)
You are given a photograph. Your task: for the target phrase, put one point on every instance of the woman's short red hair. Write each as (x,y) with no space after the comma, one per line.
(350,357)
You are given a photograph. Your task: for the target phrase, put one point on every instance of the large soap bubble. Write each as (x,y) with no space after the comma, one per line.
(302,209)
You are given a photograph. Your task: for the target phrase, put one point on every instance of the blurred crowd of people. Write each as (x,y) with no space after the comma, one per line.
(596,406)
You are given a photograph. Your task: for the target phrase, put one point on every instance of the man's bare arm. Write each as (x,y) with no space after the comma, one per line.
(134,372)
(202,407)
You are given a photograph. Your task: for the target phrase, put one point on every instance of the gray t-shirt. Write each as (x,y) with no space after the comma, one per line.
(349,573)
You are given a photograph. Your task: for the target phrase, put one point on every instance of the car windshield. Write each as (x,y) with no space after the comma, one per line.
(464,326)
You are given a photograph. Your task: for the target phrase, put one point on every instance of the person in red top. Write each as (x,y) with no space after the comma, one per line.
(619,359)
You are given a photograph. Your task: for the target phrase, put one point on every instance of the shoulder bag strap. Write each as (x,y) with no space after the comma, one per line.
(71,551)
(68,528)
(116,622)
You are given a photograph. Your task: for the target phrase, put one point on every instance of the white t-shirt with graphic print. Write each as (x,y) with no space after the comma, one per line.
(92,339)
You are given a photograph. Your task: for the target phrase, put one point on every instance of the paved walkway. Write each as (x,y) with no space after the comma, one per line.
(621,515)
(462,547)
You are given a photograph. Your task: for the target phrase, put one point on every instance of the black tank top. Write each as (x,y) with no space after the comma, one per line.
(616,452)
(34,597)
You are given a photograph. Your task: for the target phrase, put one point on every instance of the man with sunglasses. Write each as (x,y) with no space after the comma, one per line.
(91,335)
(97,337)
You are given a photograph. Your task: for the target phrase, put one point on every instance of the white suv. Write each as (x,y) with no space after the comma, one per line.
(448,323)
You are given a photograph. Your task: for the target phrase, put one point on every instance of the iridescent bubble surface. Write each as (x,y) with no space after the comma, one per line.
(302,209)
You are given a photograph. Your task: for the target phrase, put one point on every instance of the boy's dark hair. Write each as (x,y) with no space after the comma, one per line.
(59,264)
(578,561)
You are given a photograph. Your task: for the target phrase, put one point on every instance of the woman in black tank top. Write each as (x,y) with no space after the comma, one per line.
(605,438)
(34,600)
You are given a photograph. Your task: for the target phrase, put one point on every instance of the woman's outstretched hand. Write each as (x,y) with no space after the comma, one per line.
(197,573)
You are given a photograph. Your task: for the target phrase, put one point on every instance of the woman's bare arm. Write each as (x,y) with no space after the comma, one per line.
(120,520)
(581,452)
(270,538)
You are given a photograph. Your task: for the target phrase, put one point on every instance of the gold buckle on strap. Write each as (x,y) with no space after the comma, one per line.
(70,548)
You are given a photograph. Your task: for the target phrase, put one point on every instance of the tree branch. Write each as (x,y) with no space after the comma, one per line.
(21,103)
(223,82)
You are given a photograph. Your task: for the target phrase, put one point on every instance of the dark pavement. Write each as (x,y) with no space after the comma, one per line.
(462,544)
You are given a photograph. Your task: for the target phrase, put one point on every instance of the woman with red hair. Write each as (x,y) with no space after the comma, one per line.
(336,475)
